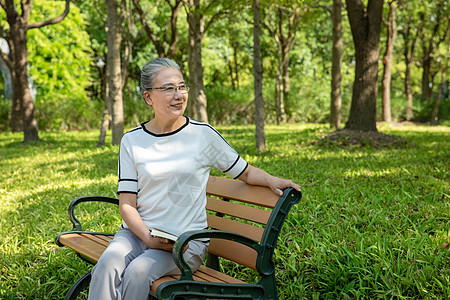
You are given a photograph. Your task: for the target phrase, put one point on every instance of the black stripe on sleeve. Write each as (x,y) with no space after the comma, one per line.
(235,162)
(129,192)
(125,179)
(246,166)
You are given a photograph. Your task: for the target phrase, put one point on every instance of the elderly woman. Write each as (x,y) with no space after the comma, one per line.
(163,167)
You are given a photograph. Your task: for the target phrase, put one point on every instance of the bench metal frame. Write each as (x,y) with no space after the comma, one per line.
(185,286)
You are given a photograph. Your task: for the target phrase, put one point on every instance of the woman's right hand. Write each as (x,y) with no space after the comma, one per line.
(162,244)
(129,213)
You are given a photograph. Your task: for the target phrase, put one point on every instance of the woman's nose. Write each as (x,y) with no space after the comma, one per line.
(178,94)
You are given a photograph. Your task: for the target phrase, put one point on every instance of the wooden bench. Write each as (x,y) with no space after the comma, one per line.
(245,222)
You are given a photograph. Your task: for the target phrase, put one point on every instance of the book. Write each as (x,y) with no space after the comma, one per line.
(164,234)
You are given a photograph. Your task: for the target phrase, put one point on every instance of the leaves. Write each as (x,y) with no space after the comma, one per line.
(59,63)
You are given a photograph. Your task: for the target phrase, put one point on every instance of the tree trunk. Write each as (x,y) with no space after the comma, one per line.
(429,44)
(260,138)
(168,45)
(106,119)
(366,27)
(408,92)
(197,96)
(30,126)
(173,45)
(236,64)
(408,54)
(426,89)
(336,100)
(230,68)
(387,62)
(279,97)
(286,83)
(283,61)
(114,40)
(287,20)
(434,118)
(18,26)
(16,121)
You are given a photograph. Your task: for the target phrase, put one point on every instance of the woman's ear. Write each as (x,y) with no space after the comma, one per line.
(147,98)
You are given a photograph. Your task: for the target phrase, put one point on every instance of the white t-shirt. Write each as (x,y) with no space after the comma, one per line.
(169,173)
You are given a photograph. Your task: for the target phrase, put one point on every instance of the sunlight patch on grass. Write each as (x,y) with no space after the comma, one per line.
(373,223)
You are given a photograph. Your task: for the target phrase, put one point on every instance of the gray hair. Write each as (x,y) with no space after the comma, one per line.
(152,68)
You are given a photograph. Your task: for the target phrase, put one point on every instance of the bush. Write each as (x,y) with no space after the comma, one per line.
(230,106)
(5,113)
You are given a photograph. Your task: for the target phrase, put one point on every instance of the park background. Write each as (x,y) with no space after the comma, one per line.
(375,222)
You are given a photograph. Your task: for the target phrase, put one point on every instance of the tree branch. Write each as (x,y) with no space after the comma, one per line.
(3,4)
(326,7)
(247,20)
(213,18)
(173,29)
(148,30)
(123,8)
(210,4)
(99,13)
(51,21)
(265,24)
(26,9)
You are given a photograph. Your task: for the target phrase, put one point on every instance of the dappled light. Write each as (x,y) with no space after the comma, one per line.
(349,99)
(370,216)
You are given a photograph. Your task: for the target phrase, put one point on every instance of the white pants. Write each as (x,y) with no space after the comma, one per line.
(127,268)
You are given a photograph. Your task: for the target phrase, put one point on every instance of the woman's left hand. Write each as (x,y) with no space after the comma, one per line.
(279,184)
(257,176)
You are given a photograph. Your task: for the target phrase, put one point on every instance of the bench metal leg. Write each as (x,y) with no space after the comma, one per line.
(78,286)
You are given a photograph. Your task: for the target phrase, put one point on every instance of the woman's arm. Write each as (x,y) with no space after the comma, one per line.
(255,176)
(130,215)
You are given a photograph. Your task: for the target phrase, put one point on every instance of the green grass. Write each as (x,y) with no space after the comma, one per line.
(371,225)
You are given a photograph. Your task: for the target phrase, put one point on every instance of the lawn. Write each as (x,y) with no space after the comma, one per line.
(374,223)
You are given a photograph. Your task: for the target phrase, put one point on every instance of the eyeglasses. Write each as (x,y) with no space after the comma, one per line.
(184,89)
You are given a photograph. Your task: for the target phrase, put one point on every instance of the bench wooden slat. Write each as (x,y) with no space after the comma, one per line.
(202,274)
(99,239)
(233,251)
(238,190)
(161,280)
(106,238)
(83,245)
(250,231)
(218,275)
(237,210)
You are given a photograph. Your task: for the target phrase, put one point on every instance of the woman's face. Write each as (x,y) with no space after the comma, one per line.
(168,105)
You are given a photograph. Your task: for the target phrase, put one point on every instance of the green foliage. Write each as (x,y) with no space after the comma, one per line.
(371,224)
(59,58)
(230,106)
(5,112)
(62,61)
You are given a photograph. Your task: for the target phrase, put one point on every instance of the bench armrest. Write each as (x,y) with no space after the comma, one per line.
(75,222)
(71,209)
(264,262)
(177,253)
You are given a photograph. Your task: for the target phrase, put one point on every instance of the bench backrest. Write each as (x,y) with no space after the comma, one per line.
(242,209)
(234,206)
